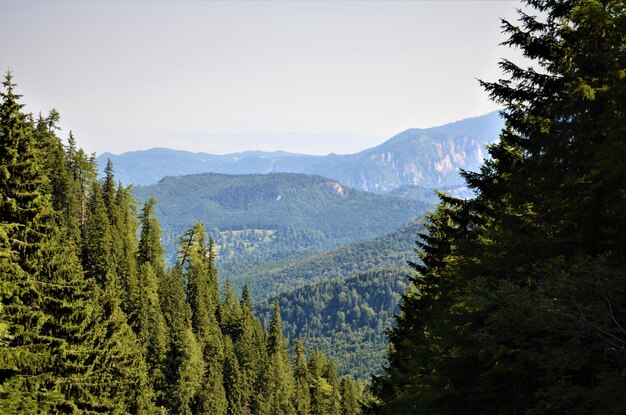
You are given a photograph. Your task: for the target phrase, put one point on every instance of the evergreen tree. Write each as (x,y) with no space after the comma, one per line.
(250,348)
(302,399)
(518,306)
(349,397)
(150,326)
(31,345)
(125,247)
(184,365)
(321,391)
(232,379)
(276,384)
(203,301)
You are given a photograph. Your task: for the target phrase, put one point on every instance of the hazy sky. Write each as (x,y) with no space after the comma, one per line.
(204,75)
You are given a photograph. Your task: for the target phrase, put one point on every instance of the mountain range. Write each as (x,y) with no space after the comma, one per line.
(274,217)
(429,158)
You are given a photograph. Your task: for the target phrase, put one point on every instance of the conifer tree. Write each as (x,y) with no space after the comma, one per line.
(517,309)
(232,379)
(125,249)
(321,390)
(302,399)
(250,348)
(184,368)
(230,314)
(45,311)
(150,325)
(203,301)
(349,397)
(275,387)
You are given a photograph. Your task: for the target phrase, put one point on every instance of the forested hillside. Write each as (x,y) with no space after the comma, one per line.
(345,318)
(391,251)
(519,306)
(93,321)
(304,214)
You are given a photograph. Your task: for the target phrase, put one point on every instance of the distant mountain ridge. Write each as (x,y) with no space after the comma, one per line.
(430,158)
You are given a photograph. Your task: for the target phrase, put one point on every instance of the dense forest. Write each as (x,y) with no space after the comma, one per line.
(516,303)
(92,320)
(344,317)
(519,306)
(271,278)
(304,214)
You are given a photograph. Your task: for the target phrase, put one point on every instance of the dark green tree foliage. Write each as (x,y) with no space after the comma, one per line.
(349,397)
(124,228)
(322,384)
(275,387)
(40,295)
(92,322)
(184,365)
(98,240)
(150,324)
(302,398)
(250,348)
(203,297)
(232,379)
(519,306)
(344,317)
(83,173)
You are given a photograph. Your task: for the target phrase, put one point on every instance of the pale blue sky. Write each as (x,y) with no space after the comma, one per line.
(203,75)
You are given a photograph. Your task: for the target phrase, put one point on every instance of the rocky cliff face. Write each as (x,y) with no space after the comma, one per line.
(431,158)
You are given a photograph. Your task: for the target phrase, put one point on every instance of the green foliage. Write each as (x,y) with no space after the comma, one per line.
(91,321)
(390,251)
(519,306)
(344,317)
(308,213)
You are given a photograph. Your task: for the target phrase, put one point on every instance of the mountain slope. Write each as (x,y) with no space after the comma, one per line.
(389,251)
(427,157)
(430,157)
(341,301)
(281,215)
(344,317)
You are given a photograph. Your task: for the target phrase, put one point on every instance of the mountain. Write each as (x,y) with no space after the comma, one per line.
(389,251)
(428,157)
(341,301)
(344,317)
(274,217)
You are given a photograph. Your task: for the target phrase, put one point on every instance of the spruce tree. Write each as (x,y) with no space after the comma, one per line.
(45,311)
(518,306)
(150,324)
(203,298)
(302,399)
(349,397)
(251,351)
(232,379)
(275,385)
(184,367)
